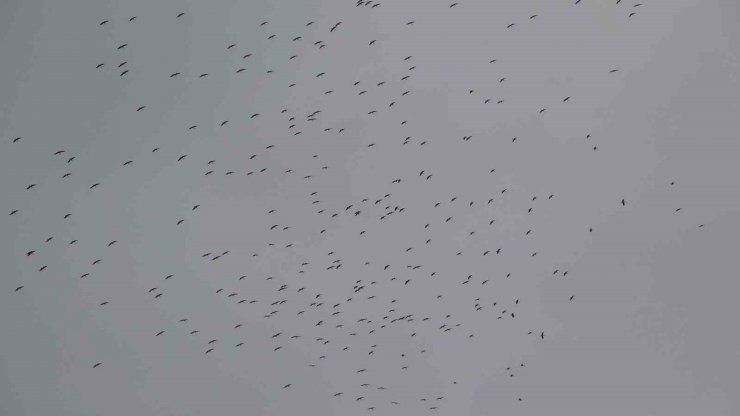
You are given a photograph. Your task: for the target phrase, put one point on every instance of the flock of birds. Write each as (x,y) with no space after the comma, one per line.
(332,320)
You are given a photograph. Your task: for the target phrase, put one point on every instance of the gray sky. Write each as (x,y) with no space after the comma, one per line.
(648,332)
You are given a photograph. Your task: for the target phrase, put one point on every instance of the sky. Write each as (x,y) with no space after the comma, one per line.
(581,161)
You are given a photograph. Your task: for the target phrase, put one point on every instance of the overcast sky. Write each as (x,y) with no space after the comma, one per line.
(650,329)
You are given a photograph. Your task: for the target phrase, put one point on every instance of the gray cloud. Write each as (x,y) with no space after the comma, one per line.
(649,330)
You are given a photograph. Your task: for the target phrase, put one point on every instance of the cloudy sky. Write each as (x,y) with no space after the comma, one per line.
(588,103)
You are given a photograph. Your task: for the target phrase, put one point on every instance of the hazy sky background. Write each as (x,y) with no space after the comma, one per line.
(651,330)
